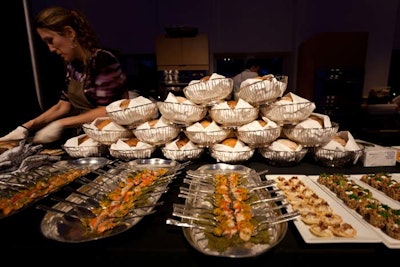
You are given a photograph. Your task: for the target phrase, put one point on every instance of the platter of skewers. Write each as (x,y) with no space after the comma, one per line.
(110,203)
(229,211)
(21,189)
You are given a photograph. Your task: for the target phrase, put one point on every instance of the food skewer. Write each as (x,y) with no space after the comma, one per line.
(262,225)
(13,185)
(200,175)
(211,217)
(90,199)
(198,182)
(206,195)
(79,207)
(76,214)
(190,209)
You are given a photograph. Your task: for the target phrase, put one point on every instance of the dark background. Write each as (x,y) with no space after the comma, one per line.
(130,27)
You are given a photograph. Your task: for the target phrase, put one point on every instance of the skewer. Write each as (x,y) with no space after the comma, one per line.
(14,185)
(78,207)
(262,225)
(92,200)
(93,185)
(198,174)
(210,181)
(208,185)
(190,209)
(138,215)
(65,213)
(208,194)
(272,199)
(188,225)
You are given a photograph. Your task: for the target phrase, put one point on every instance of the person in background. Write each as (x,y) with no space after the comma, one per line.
(94,77)
(251,70)
(396,101)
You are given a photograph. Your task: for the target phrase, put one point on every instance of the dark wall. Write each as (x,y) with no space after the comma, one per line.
(394,74)
(19,102)
(50,68)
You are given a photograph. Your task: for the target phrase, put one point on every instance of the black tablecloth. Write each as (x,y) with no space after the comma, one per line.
(152,241)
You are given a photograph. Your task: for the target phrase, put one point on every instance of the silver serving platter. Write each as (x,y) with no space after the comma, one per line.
(20,190)
(61,224)
(92,163)
(196,237)
(154,163)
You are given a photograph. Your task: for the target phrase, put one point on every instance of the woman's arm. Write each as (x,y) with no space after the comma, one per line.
(82,118)
(57,111)
(53,130)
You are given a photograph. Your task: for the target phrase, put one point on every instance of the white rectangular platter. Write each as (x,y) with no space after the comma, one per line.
(398,153)
(382,197)
(364,233)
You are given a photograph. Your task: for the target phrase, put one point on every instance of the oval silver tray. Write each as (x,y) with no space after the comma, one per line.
(154,163)
(15,188)
(92,163)
(64,226)
(197,238)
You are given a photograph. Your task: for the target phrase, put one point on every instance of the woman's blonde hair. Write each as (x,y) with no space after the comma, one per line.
(57,18)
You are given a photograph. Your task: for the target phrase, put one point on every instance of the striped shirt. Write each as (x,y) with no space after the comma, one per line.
(104,81)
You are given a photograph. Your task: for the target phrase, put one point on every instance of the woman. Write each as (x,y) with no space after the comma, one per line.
(94,77)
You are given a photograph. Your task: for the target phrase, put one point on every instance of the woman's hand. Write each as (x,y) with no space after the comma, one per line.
(49,134)
(18,134)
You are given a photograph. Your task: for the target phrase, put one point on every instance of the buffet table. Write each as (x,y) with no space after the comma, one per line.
(152,241)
